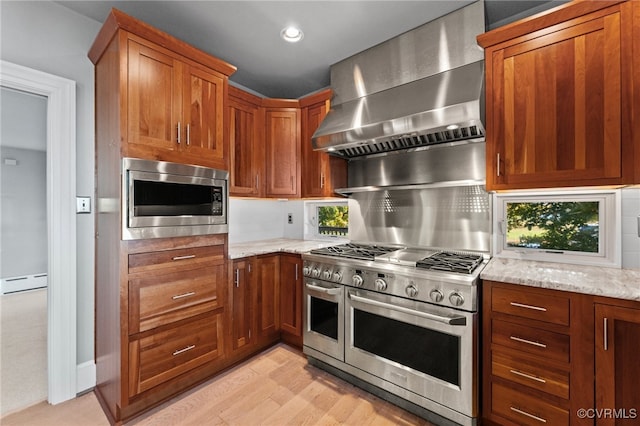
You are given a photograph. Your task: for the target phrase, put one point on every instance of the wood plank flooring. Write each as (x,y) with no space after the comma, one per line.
(277,387)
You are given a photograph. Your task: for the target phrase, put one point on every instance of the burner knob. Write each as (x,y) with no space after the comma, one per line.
(456,299)
(357,280)
(411,291)
(436,295)
(381,285)
(337,276)
(315,273)
(306,271)
(326,274)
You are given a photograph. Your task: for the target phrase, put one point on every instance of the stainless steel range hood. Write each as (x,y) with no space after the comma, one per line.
(421,88)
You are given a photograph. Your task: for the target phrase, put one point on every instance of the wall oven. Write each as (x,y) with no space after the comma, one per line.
(163,199)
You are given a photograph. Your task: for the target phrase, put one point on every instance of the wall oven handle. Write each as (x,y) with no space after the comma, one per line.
(331,291)
(458,320)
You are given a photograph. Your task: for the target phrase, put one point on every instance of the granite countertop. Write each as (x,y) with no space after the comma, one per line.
(599,281)
(253,248)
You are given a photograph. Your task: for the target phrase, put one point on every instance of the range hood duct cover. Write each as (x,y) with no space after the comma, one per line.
(444,107)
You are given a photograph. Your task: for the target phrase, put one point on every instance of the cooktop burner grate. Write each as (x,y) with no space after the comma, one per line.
(355,251)
(451,262)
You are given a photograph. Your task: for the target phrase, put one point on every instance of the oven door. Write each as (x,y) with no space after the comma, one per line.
(425,349)
(323,325)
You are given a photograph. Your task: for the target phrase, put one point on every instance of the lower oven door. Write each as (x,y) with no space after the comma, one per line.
(425,349)
(323,325)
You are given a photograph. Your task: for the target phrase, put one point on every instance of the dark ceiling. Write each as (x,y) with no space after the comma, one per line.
(247,33)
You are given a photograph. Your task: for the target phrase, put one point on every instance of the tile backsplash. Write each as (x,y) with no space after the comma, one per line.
(630,227)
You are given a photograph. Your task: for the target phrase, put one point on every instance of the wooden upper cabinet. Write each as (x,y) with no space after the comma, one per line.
(283,154)
(154,95)
(203,114)
(559,88)
(246,144)
(165,98)
(321,173)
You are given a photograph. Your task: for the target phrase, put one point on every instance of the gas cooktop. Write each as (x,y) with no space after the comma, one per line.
(436,260)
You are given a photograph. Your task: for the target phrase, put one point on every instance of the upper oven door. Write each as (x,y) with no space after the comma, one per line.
(426,349)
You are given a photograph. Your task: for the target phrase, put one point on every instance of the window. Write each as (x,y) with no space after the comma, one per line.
(559,226)
(326,219)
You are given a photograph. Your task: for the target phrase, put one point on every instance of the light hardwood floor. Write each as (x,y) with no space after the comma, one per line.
(277,387)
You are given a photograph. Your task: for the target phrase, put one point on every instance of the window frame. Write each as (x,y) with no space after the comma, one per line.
(311,220)
(609,226)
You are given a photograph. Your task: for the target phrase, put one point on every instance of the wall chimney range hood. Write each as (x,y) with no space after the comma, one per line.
(421,88)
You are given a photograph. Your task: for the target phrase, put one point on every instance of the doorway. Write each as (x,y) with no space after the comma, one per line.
(61,221)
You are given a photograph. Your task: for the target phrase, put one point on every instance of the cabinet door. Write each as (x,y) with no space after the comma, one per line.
(282,152)
(153,98)
(246,150)
(617,366)
(242,304)
(315,163)
(291,294)
(268,306)
(203,113)
(554,110)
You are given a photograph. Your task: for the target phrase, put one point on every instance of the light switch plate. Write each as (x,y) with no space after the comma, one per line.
(83,204)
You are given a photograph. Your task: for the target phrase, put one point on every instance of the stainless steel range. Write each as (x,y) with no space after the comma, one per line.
(401,319)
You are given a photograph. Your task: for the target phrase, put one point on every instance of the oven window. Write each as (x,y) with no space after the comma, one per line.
(428,351)
(176,199)
(324,317)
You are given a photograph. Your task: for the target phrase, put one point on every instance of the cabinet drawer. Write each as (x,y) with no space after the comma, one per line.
(158,357)
(546,344)
(548,308)
(179,259)
(156,299)
(528,374)
(525,409)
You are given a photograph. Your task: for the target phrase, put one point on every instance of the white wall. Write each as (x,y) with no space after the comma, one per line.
(23,190)
(253,219)
(48,37)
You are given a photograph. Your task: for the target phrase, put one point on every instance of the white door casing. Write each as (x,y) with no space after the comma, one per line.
(61,220)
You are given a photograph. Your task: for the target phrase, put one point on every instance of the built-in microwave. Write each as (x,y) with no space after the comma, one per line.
(162,199)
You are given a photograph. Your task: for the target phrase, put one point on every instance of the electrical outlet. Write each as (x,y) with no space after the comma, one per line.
(289,218)
(83,204)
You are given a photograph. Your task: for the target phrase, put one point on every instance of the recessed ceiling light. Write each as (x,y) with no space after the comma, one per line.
(291,34)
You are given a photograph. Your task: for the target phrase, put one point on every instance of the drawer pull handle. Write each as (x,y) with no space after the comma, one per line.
(189,256)
(183,350)
(535,308)
(528,342)
(180,296)
(531,416)
(527,376)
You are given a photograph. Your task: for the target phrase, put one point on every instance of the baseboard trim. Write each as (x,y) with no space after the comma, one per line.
(85,377)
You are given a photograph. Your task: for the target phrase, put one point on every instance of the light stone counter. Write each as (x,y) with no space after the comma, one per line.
(599,281)
(278,245)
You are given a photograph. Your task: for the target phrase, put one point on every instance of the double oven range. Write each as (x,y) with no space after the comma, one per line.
(399,319)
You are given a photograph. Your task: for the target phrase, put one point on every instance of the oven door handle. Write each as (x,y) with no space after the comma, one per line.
(457,320)
(330,291)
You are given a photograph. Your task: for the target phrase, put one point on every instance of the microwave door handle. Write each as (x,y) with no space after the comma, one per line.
(457,320)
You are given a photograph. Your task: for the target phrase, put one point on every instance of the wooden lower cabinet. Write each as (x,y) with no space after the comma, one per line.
(266,301)
(617,367)
(160,329)
(291,299)
(537,354)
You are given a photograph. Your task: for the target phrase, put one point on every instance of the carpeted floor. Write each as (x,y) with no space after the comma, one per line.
(23,350)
